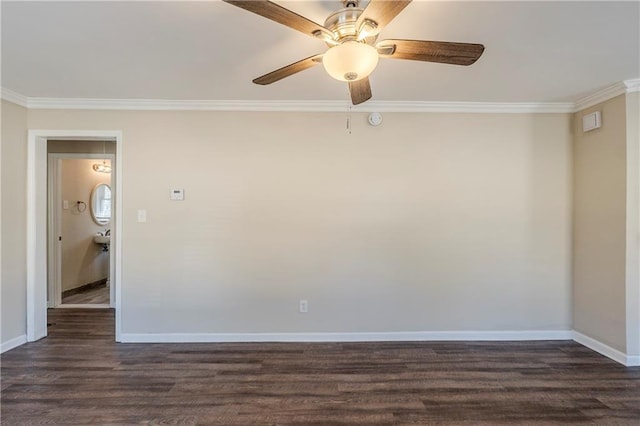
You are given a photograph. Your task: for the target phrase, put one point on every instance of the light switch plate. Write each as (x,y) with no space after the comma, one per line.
(177,194)
(142,215)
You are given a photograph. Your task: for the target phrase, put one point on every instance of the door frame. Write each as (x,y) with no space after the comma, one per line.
(54,210)
(37,223)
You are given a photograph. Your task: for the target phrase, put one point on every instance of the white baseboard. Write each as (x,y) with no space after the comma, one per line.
(347,337)
(633,361)
(407,336)
(606,350)
(13,343)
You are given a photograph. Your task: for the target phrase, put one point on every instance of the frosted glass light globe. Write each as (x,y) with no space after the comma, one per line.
(350,61)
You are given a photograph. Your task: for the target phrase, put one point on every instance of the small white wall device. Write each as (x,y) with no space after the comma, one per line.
(591,121)
(375,119)
(177,194)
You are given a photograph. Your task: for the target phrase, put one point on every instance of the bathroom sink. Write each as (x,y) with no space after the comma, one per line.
(102,239)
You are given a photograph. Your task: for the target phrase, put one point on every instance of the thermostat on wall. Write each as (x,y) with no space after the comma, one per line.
(177,194)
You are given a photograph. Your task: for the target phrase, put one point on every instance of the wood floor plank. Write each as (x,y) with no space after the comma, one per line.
(78,375)
(92,295)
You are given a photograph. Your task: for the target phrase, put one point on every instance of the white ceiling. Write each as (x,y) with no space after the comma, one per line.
(535,51)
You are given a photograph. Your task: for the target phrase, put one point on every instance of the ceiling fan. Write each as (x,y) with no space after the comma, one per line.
(351,34)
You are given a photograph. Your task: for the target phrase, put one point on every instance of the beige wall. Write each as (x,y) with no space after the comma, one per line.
(83,261)
(599,225)
(14,222)
(428,222)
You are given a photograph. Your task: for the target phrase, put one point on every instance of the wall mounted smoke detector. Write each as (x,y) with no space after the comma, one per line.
(375,119)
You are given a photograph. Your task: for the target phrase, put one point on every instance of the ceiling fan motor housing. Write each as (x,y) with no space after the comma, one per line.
(343,23)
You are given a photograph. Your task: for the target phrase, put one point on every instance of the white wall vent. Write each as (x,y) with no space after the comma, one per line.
(591,121)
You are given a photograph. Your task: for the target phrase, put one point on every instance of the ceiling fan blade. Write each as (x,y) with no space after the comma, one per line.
(282,16)
(360,91)
(382,11)
(288,70)
(431,51)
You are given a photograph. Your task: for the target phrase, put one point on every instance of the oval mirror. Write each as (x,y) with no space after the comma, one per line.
(101,204)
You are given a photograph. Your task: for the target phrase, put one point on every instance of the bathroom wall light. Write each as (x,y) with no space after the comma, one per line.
(102,168)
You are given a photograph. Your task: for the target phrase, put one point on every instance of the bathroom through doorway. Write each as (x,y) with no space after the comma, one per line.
(79,219)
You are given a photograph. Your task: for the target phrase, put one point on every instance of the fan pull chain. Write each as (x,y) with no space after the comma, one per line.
(349,121)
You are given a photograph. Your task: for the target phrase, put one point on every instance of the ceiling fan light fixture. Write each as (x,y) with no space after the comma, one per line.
(350,61)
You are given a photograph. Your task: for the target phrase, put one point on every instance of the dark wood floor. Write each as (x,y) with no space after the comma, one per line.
(92,295)
(78,375)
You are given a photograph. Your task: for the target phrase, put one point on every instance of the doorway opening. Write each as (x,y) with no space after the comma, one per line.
(40,247)
(79,224)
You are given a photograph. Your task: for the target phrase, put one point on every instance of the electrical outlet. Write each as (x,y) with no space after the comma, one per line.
(303,306)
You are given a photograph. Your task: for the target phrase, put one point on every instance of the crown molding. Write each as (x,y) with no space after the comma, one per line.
(601,95)
(14,97)
(609,92)
(628,86)
(632,85)
(466,107)
(285,106)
